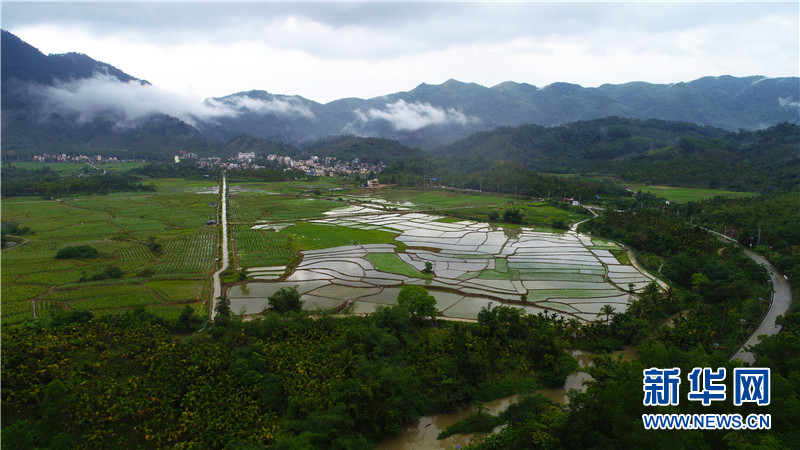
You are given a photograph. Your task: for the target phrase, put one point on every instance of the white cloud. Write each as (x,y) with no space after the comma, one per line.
(128,102)
(413,116)
(788,103)
(286,107)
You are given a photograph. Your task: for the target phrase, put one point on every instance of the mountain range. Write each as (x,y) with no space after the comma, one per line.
(73,102)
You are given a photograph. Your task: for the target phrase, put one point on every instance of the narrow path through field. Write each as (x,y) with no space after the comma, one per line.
(217,293)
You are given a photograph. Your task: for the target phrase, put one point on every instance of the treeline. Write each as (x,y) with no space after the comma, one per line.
(47,183)
(767,224)
(271,171)
(495,176)
(284,381)
(184,169)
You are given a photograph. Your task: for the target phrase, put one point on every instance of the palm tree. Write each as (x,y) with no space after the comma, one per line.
(637,309)
(608,311)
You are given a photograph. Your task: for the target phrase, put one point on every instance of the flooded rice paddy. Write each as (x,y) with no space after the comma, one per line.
(474,265)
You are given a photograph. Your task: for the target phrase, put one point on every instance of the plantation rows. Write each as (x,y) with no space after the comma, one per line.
(20,292)
(256,248)
(247,208)
(250,208)
(179,291)
(119,227)
(190,252)
(16,312)
(104,297)
(134,253)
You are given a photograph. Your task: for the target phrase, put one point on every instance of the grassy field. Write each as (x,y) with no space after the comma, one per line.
(432,199)
(540,216)
(391,263)
(311,236)
(159,237)
(289,203)
(74,168)
(686,194)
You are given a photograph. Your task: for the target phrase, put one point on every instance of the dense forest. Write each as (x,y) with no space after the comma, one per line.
(494,176)
(767,224)
(648,151)
(289,380)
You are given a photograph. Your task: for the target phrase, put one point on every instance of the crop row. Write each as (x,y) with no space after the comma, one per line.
(190,252)
(103,297)
(19,292)
(133,253)
(15,312)
(261,248)
(180,290)
(246,208)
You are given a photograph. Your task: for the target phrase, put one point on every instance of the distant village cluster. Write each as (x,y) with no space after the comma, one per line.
(63,157)
(321,167)
(313,165)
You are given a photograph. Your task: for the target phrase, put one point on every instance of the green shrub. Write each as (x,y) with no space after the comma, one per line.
(77,252)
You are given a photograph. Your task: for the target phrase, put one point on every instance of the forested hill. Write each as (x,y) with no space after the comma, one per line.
(652,151)
(23,63)
(433,115)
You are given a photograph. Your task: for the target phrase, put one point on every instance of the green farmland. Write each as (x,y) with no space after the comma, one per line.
(155,239)
(687,194)
(162,254)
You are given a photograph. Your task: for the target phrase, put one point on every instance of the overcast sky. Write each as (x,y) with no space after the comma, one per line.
(325,51)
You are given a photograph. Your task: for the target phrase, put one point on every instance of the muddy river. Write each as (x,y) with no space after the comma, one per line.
(423,434)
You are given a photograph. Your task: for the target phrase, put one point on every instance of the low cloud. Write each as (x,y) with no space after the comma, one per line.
(413,116)
(788,103)
(285,107)
(129,102)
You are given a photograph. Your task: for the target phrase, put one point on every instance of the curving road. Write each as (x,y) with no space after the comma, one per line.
(224,221)
(780,304)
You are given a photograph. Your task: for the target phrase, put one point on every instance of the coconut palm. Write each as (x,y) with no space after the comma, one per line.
(608,311)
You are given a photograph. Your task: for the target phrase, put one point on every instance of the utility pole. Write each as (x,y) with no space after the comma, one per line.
(759,236)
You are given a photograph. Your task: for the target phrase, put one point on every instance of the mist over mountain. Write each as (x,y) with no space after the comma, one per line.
(82,102)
